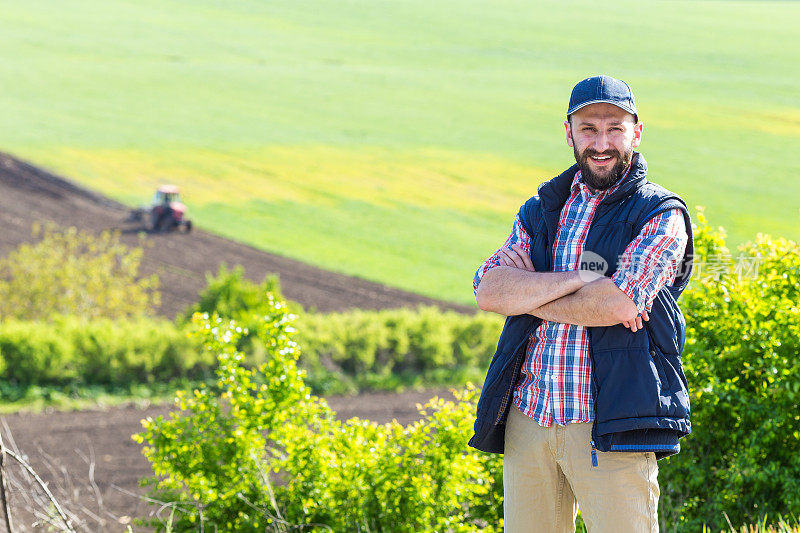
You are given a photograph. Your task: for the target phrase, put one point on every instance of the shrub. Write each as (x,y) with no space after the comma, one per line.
(75,273)
(347,352)
(231,295)
(213,456)
(69,350)
(356,350)
(742,363)
(361,476)
(257,451)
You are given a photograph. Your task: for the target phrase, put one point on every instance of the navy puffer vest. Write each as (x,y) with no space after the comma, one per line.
(640,393)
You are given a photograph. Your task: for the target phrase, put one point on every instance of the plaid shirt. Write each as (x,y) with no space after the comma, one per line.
(555,384)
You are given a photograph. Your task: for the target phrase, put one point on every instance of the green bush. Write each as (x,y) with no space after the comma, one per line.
(742,363)
(213,455)
(357,350)
(361,476)
(75,273)
(230,294)
(257,451)
(347,352)
(69,350)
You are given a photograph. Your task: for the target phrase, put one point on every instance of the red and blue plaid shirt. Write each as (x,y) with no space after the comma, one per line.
(555,384)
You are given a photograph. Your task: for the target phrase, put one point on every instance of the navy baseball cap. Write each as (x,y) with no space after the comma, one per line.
(602,89)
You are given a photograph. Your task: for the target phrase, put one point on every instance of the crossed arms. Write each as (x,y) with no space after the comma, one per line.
(583,298)
(508,284)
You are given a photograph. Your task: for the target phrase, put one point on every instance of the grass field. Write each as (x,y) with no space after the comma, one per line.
(395,140)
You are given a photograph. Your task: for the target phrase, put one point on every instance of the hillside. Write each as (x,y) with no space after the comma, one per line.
(394,141)
(30,195)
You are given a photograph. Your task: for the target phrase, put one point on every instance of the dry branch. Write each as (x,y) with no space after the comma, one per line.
(43,485)
(3,491)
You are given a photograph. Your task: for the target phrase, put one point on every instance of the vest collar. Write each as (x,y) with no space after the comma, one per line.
(553,193)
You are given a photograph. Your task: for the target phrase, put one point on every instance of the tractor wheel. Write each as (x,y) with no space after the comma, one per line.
(166,224)
(187,226)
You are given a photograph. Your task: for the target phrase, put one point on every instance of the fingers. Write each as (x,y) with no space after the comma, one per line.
(504,258)
(511,258)
(637,323)
(526,258)
(516,257)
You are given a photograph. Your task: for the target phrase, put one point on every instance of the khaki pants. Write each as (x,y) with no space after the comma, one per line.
(545,470)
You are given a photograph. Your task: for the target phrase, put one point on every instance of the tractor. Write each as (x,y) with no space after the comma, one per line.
(166,213)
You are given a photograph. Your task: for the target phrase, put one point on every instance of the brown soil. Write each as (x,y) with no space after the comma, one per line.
(29,195)
(61,447)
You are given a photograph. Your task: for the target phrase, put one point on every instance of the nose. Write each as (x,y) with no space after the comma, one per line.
(601,142)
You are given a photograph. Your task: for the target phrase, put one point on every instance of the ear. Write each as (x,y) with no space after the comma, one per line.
(568,127)
(637,134)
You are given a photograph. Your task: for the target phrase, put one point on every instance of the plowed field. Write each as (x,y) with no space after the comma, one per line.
(31,195)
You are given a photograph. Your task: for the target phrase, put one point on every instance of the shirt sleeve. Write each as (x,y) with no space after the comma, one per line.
(518,236)
(652,259)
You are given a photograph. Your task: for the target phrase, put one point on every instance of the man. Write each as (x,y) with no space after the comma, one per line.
(586,389)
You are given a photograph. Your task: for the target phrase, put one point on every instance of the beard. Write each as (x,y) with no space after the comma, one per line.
(600,181)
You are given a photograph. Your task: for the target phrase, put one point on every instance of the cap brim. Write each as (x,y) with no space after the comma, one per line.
(590,102)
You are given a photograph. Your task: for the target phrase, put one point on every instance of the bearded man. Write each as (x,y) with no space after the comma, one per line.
(586,390)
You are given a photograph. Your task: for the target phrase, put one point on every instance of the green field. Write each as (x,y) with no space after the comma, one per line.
(395,140)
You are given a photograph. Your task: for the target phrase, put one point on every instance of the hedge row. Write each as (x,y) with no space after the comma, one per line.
(343,352)
(68,350)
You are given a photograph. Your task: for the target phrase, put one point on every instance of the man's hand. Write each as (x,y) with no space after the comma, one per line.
(517,257)
(636,323)
(514,286)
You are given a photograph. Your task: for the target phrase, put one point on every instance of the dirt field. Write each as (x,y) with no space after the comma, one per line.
(63,446)
(29,194)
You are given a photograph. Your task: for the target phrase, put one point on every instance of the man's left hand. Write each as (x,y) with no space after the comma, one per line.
(636,323)
(515,257)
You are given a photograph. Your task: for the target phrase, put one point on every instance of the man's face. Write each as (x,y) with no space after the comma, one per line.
(603,137)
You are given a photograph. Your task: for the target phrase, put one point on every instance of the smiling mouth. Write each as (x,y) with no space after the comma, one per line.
(601,159)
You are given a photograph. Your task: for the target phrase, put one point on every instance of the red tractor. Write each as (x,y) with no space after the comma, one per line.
(166,213)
